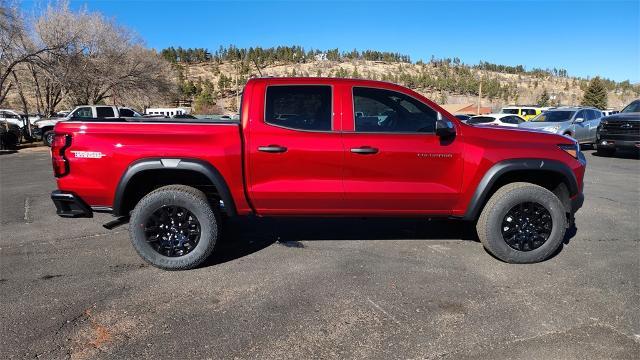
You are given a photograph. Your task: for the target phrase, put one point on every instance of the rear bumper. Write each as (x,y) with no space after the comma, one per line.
(69,205)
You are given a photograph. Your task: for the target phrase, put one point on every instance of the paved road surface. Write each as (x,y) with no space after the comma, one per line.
(330,289)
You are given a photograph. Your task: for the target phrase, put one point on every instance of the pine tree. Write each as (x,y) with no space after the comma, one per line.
(596,94)
(543,100)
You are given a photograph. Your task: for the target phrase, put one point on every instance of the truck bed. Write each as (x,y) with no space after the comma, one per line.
(102,150)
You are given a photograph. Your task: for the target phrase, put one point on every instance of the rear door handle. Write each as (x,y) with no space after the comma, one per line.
(364,150)
(272,149)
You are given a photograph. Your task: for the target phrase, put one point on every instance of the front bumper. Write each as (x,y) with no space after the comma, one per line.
(604,143)
(69,205)
(576,203)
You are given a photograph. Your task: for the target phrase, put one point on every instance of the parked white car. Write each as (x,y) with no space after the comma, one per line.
(11,117)
(509,120)
(45,126)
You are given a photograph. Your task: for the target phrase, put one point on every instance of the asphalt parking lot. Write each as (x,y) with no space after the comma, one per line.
(327,288)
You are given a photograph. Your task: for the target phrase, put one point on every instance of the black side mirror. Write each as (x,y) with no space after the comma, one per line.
(445,129)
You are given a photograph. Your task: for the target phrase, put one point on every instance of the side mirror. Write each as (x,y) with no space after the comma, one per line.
(579,120)
(445,129)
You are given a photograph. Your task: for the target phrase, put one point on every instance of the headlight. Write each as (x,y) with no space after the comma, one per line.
(552,128)
(571,149)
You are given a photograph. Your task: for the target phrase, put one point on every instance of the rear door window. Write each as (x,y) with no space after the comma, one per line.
(104,112)
(300,107)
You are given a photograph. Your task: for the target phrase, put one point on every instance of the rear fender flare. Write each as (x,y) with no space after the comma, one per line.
(169,164)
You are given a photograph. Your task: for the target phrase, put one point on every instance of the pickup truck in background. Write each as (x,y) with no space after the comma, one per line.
(44,127)
(317,147)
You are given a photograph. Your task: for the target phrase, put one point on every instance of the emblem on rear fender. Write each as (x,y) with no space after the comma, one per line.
(88,154)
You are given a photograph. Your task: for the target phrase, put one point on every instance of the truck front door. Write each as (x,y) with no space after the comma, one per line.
(294,150)
(394,161)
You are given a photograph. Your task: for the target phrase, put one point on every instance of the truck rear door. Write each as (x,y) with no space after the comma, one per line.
(294,149)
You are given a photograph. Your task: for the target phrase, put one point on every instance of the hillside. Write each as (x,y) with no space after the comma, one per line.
(443,80)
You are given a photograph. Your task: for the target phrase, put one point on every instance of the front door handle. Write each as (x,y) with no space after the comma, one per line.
(364,150)
(272,149)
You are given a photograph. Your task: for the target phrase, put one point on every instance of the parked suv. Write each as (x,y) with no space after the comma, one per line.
(621,130)
(9,135)
(580,123)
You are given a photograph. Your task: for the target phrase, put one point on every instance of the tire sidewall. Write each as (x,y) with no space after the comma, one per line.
(45,137)
(499,247)
(199,208)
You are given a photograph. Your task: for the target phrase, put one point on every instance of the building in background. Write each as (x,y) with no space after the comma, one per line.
(466,109)
(167,111)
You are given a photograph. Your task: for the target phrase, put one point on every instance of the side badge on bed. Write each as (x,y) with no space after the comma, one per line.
(88,154)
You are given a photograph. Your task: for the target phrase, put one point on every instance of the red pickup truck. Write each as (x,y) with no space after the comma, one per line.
(317,147)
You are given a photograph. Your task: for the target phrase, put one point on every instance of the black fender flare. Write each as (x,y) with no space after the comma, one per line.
(506,166)
(169,164)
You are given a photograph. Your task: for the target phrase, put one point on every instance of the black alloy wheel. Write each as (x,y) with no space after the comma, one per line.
(172,231)
(526,226)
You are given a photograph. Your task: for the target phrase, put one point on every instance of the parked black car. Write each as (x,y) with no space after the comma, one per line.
(463,117)
(620,131)
(9,135)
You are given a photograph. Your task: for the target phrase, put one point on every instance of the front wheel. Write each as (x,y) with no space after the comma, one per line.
(174,228)
(47,137)
(522,223)
(605,151)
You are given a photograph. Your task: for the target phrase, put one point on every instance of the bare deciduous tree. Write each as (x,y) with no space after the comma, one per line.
(78,57)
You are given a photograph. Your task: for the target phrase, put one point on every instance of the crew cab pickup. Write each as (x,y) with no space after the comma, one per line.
(317,147)
(44,127)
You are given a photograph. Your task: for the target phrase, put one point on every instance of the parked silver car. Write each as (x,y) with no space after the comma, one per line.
(581,123)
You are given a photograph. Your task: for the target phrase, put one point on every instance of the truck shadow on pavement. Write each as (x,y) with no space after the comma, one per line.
(243,236)
(246,235)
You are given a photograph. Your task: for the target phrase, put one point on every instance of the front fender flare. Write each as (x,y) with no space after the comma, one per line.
(506,166)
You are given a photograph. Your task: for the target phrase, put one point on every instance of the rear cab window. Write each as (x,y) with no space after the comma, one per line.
(104,112)
(299,107)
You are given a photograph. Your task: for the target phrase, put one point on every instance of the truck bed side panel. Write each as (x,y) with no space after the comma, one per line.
(101,152)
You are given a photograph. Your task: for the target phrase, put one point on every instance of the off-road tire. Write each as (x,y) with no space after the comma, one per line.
(46,136)
(189,198)
(605,152)
(490,222)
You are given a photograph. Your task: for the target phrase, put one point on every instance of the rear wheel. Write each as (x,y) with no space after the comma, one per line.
(174,228)
(522,223)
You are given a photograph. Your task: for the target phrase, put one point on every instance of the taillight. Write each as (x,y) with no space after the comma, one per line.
(60,163)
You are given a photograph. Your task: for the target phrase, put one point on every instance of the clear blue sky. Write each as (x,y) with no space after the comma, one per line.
(587,38)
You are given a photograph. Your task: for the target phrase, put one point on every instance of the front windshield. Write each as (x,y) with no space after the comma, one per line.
(510,111)
(634,107)
(554,116)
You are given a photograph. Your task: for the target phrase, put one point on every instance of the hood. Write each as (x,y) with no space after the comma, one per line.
(517,135)
(622,117)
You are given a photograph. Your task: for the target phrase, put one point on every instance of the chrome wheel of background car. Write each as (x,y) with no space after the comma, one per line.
(526,226)
(49,137)
(172,231)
